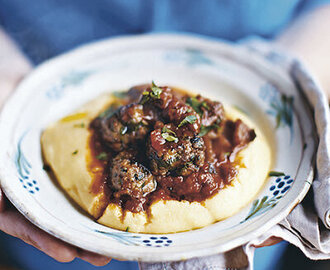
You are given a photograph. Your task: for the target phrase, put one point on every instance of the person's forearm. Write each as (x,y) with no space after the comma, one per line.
(308,37)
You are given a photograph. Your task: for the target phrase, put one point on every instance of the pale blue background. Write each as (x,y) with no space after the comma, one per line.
(46,28)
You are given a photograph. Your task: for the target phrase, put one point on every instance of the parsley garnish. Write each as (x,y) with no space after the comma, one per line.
(127,228)
(190,119)
(204,104)
(154,93)
(169,135)
(75,152)
(155,90)
(196,105)
(102,156)
(145,97)
(207,129)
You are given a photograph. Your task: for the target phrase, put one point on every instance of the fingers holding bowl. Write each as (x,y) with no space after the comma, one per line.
(15,224)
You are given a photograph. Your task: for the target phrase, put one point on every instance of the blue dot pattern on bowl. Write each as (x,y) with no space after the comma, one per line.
(31,187)
(277,190)
(157,241)
(281,185)
(132,239)
(24,168)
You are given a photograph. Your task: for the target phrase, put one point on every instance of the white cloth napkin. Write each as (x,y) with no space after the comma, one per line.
(307,226)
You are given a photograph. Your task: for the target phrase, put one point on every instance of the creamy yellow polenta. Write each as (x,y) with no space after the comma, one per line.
(65,149)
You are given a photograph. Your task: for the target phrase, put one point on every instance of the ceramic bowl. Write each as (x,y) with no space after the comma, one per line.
(235,74)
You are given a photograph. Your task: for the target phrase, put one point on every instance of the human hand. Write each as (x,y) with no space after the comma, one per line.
(14,66)
(15,224)
(269,242)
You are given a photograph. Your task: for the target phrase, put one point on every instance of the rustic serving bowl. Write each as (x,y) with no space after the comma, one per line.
(236,74)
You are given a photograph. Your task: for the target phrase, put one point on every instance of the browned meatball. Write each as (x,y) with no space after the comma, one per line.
(212,112)
(173,108)
(173,150)
(128,125)
(128,177)
(181,114)
(238,133)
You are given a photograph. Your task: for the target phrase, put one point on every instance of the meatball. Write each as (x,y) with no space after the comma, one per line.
(172,150)
(173,107)
(128,125)
(181,114)
(158,96)
(194,186)
(238,133)
(210,112)
(128,177)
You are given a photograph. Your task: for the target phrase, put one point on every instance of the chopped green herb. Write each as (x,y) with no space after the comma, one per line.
(207,129)
(273,173)
(75,152)
(167,130)
(81,125)
(204,104)
(190,119)
(154,93)
(226,154)
(169,135)
(196,105)
(145,98)
(155,90)
(102,156)
(127,228)
(170,138)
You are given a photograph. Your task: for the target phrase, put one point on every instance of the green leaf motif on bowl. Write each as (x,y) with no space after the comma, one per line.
(280,106)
